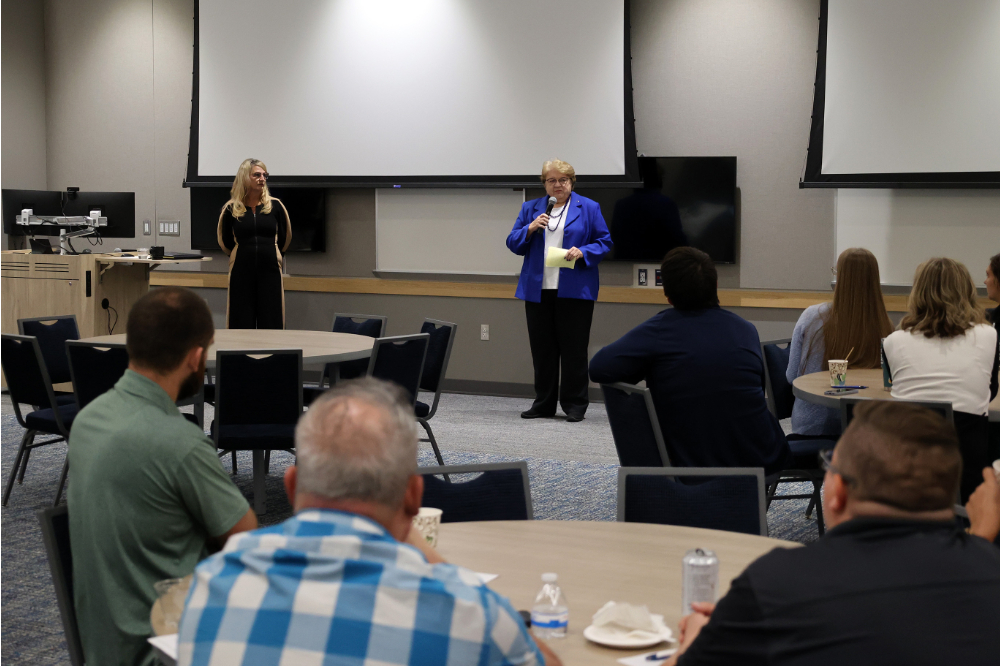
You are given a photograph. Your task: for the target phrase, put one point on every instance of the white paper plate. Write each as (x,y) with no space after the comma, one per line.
(620,639)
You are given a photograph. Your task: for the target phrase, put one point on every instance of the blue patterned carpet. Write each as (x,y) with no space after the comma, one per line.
(32,630)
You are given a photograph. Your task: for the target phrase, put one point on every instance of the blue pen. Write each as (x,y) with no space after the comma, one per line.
(661,655)
(850,387)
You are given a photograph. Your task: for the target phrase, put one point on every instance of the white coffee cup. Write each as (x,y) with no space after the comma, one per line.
(427,522)
(838,373)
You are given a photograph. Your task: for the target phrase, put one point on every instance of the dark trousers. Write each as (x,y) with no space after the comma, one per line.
(255,297)
(973,440)
(559,330)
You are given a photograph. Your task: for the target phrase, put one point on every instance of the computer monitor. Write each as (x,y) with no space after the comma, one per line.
(43,202)
(118,207)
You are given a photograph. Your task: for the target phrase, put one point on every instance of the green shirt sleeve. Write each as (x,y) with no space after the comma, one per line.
(208,493)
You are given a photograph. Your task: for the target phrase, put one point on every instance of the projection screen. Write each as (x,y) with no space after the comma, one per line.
(907,92)
(435,91)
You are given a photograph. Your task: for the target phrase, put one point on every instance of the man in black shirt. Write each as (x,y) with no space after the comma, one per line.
(895,581)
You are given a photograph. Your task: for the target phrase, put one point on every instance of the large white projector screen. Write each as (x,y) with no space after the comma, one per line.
(437,88)
(911,86)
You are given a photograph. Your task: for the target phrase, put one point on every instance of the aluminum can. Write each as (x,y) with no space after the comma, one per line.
(700,577)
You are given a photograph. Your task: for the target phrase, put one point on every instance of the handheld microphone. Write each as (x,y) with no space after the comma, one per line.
(552,204)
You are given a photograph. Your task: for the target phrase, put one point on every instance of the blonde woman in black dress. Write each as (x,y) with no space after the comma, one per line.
(254,230)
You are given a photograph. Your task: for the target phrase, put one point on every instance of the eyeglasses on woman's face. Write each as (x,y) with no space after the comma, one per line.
(260,175)
(557,181)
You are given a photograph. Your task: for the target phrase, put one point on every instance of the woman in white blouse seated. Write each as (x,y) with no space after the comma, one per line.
(946,351)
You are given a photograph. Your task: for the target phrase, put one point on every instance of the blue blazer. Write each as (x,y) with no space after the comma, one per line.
(585,229)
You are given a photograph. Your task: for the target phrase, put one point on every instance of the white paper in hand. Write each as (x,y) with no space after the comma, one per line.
(556,258)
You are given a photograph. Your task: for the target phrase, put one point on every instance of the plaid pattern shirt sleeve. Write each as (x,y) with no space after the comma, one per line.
(327,587)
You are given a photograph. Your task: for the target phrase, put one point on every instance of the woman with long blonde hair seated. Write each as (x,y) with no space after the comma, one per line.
(946,351)
(856,319)
(254,230)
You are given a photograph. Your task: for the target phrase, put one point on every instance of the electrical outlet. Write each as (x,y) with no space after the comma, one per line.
(147,227)
(484,332)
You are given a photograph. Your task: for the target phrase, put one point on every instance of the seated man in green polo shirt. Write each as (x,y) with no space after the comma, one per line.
(148,497)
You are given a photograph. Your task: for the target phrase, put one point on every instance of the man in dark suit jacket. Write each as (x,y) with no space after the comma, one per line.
(704,368)
(894,581)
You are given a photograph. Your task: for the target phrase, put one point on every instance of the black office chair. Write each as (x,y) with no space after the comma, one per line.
(55,536)
(847,406)
(732,499)
(258,401)
(372,326)
(442,337)
(28,383)
(500,492)
(400,359)
(634,426)
(95,368)
(52,334)
(780,401)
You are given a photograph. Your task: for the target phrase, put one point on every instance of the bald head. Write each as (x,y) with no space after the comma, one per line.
(358,441)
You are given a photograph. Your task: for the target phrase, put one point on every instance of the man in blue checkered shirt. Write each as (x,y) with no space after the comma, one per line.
(339,582)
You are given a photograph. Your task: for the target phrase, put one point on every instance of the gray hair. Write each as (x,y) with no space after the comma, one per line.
(344,453)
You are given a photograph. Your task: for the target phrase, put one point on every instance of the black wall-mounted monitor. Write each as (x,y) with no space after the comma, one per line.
(118,207)
(684,201)
(306,210)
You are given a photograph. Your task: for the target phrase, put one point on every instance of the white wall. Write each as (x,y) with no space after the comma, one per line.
(733,77)
(119,103)
(22,165)
(905,227)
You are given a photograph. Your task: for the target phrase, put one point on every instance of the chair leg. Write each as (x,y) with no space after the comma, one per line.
(24,466)
(234,463)
(771,490)
(812,505)
(818,501)
(26,441)
(62,480)
(259,475)
(434,444)
(267,462)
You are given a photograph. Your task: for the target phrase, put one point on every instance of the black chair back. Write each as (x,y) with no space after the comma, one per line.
(372,326)
(780,399)
(634,426)
(400,359)
(55,535)
(52,334)
(255,387)
(95,368)
(442,337)
(731,499)
(25,372)
(847,406)
(500,492)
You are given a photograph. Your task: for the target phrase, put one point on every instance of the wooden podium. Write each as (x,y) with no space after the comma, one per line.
(42,285)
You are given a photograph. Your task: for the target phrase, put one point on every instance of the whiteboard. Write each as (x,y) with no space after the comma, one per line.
(446,231)
(903,228)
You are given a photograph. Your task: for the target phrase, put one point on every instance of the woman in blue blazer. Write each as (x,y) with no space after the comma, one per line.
(559,302)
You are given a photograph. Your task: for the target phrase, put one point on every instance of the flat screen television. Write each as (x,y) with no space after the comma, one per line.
(684,201)
(306,209)
(118,207)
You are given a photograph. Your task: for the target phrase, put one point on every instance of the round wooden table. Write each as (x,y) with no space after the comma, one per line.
(318,347)
(811,388)
(596,562)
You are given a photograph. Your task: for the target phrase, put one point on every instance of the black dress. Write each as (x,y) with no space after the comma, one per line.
(254,243)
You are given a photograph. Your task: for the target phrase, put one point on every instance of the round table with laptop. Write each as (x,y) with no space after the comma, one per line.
(596,562)
(812,388)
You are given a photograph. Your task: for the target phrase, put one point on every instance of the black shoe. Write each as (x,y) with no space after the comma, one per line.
(574,418)
(535,414)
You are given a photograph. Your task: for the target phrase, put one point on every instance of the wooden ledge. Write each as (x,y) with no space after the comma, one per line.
(743,298)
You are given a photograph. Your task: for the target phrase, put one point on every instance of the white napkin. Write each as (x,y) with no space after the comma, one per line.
(166,644)
(626,619)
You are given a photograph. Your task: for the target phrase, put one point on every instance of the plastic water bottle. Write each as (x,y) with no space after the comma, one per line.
(550,614)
